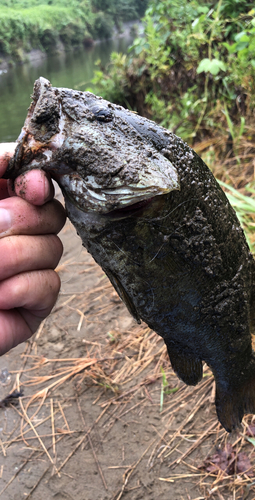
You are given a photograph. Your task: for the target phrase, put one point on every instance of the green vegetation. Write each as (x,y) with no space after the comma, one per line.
(192,62)
(165,389)
(29,24)
(193,70)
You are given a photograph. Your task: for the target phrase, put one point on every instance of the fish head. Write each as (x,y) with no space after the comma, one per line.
(90,147)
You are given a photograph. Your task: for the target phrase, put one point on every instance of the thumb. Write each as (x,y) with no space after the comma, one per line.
(6,152)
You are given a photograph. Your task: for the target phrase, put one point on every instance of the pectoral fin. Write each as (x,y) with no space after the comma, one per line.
(123,295)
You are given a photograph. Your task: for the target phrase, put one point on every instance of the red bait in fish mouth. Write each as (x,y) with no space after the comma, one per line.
(154,218)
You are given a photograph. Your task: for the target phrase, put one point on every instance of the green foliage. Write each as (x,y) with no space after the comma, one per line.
(121,10)
(244,45)
(112,87)
(26,24)
(102,26)
(165,389)
(233,8)
(39,26)
(192,65)
(251,440)
(213,66)
(235,132)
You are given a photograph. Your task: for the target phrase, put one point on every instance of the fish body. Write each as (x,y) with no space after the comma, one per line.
(154,218)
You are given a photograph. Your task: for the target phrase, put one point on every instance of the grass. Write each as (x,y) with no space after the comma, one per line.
(244,206)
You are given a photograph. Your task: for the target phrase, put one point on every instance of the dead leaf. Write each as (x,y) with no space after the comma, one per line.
(229,461)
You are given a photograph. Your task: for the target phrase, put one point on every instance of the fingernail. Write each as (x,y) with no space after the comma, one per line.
(5,220)
(48,189)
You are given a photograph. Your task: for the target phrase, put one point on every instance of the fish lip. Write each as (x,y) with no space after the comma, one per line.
(133,210)
(117,201)
(130,210)
(116,213)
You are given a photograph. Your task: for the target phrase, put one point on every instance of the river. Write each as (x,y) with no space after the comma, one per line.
(67,69)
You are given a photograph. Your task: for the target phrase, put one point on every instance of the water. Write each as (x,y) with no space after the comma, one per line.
(64,70)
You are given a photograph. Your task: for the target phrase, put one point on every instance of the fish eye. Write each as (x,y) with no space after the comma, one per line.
(102,114)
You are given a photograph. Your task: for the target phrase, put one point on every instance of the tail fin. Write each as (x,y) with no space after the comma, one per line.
(188,368)
(234,402)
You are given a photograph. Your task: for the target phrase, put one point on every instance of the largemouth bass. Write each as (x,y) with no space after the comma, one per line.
(154,218)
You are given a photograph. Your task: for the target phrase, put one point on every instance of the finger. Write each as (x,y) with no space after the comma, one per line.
(17,216)
(28,253)
(37,292)
(14,330)
(6,153)
(35,187)
(4,191)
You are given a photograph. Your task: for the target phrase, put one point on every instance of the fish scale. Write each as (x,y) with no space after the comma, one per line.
(154,218)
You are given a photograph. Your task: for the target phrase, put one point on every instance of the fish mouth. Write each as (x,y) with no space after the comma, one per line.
(120,201)
(130,210)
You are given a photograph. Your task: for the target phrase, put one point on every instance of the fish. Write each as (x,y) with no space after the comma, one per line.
(153,216)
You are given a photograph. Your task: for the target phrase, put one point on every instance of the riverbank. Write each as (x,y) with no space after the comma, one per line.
(57,26)
(68,68)
(35,56)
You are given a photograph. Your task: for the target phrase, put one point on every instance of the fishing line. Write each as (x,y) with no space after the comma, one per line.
(167,215)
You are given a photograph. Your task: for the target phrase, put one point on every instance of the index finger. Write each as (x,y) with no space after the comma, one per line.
(34,186)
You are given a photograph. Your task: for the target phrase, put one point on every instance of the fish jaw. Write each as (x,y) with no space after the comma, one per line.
(99,160)
(88,196)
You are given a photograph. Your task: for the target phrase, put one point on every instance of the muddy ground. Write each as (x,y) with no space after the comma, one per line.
(102,416)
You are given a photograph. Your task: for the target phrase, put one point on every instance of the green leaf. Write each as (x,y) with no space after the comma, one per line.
(242,37)
(230,48)
(240,46)
(198,20)
(211,65)
(172,391)
(251,440)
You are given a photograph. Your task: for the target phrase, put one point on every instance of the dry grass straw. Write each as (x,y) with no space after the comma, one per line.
(130,366)
(132,363)
(232,161)
(234,164)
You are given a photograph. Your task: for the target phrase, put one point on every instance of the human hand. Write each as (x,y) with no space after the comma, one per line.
(29,250)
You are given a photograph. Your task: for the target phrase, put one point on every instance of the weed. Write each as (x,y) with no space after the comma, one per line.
(165,389)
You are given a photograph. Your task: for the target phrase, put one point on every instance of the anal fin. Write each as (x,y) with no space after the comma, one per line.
(188,368)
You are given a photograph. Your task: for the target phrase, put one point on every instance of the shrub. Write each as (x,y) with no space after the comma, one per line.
(102,26)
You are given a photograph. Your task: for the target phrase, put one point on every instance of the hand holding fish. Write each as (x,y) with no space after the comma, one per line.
(29,249)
